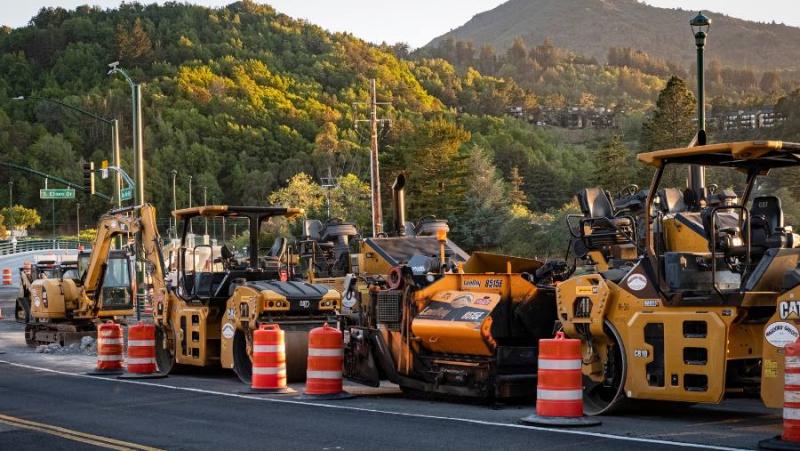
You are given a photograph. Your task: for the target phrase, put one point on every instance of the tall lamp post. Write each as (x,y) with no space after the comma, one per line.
(114,137)
(190,202)
(138,148)
(10,193)
(205,203)
(173,219)
(697,174)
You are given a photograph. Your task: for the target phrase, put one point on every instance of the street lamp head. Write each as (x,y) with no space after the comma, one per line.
(174,172)
(18,98)
(700,25)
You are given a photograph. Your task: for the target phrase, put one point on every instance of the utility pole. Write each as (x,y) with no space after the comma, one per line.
(375,178)
(328,183)
(78,219)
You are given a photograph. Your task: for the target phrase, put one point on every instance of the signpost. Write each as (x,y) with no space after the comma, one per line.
(51,193)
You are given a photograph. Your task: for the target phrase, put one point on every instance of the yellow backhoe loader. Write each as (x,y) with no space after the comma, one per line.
(712,298)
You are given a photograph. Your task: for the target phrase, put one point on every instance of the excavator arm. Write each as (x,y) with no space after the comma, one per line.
(129,221)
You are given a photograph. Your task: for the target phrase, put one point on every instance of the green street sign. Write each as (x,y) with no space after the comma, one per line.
(126,193)
(49,193)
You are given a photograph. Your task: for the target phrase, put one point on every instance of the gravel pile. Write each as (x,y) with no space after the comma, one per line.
(87,346)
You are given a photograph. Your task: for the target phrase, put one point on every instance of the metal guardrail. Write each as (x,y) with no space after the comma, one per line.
(10,247)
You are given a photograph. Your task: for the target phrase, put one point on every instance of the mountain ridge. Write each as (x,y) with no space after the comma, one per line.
(591,27)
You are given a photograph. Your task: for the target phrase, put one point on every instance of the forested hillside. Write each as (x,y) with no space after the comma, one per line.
(244,98)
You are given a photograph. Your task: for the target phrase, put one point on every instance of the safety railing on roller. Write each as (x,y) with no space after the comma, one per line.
(10,247)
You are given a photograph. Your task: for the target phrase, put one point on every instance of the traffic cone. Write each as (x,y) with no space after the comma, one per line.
(559,387)
(325,361)
(790,437)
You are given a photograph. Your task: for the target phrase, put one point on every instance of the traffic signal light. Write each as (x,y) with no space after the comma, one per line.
(88,177)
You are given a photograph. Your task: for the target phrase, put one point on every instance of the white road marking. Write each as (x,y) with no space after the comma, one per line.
(385,412)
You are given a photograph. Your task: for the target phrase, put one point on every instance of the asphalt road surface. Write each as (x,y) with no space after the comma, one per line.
(47,402)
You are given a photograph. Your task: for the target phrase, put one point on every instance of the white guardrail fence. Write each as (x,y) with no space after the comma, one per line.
(11,247)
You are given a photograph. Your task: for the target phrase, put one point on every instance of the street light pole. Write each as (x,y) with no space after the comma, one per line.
(697,174)
(78,219)
(136,114)
(174,220)
(10,194)
(190,202)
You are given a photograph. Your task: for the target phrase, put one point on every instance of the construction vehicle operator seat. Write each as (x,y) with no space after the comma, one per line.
(671,201)
(600,226)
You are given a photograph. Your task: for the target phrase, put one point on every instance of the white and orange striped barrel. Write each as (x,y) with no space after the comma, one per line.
(791,394)
(325,357)
(141,349)
(559,391)
(269,358)
(109,346)
(6,276)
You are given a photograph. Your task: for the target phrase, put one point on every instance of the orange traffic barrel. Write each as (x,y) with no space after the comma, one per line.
(6,276)
(109,348)
(325,360)
(269,360)
(559,385)
(141,359)
(790,438)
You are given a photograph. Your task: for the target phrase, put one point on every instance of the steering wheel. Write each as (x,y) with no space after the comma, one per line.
(629,190)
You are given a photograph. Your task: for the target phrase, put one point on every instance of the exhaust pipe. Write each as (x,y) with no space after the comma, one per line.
(399,203)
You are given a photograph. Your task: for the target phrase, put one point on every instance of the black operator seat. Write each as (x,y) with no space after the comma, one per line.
(768,209)
(595,203)
(671,201)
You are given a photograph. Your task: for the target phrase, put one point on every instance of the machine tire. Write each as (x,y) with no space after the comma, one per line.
(20,314)
(165,358)
(242,362)
(601,399)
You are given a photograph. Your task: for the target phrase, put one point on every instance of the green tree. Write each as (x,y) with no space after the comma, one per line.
(516,195)
(614,165)
(672,123)
(19,217)
(300,192)
(486,204)
(350,201)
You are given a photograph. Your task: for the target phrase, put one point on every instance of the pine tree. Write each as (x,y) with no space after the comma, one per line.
(516,195)
(134,45)
(672,123)
(486,204)
(614,166)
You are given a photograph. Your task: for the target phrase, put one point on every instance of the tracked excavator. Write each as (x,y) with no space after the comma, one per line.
(47,267)
(206,315)
(65,308)
(710,300)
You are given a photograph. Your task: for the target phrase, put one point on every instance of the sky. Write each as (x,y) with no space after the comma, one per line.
(413,21)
